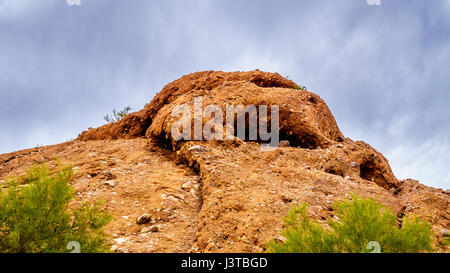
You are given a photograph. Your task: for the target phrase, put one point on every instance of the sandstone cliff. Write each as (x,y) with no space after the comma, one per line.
(226,196)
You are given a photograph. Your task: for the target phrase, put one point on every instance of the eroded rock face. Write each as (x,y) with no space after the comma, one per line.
(136,124)
(246,191)
(228,195)
(304,117)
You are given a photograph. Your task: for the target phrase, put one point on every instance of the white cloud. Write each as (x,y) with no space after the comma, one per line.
(446,5)
(427,162)
(21,9)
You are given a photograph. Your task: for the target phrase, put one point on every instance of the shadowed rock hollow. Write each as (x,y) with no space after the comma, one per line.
(227,196)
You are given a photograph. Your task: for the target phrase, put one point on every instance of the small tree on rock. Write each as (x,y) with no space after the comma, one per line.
(116,116)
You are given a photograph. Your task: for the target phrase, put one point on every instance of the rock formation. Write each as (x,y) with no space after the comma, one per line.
(226,195)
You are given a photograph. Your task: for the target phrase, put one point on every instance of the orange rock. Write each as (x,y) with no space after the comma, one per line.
(227,196)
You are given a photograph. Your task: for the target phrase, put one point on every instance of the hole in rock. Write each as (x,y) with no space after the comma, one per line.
(370,171)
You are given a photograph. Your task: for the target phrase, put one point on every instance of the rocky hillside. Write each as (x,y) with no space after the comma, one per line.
(168,195)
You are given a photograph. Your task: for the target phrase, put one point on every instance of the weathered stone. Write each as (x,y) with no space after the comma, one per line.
(110,183)
(153,228)
(143,219)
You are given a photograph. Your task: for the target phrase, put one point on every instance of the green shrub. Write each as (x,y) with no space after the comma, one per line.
(361,223)
(35,217)
(116,116)
(300,87)
(445,243)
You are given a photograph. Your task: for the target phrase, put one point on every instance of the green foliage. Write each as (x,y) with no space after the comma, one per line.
(116,116)
(35,217)
(300,87)
(360,221)
(445,243)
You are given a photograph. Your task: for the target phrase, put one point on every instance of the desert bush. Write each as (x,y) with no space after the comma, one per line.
(300,87)
(116,116)
(359,222)
(445,242)
(35,217)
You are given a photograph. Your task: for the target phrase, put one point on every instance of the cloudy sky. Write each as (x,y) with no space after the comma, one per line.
(383,70)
